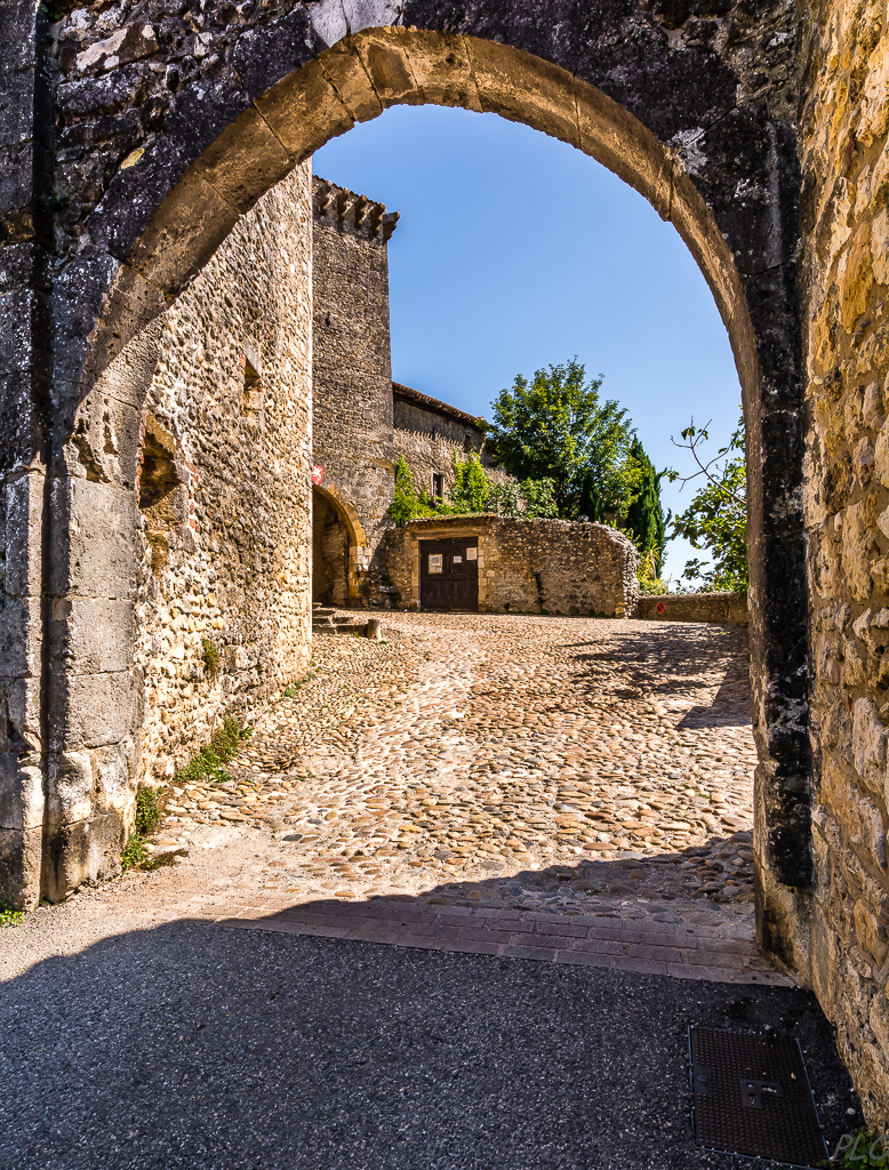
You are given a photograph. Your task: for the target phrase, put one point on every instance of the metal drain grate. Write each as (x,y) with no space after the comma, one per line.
(752,1096)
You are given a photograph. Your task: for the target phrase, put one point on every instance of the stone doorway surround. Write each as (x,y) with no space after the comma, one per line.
(355,542)
(703,125)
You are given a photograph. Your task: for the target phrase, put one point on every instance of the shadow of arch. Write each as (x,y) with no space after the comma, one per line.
(739,227)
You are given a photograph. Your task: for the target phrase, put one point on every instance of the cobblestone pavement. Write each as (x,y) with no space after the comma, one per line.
(563,765)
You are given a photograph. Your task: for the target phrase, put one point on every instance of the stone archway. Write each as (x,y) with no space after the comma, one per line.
(629,86)
(338,544)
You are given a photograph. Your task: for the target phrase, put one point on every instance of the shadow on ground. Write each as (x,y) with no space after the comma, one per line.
(699,872)
(191,1045)
(676,660)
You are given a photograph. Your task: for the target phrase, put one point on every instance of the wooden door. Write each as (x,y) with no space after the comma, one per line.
(449,575)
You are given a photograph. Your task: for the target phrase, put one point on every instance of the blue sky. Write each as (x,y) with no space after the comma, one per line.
(515,251)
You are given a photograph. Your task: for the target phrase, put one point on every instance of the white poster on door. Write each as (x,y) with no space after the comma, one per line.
(436,563)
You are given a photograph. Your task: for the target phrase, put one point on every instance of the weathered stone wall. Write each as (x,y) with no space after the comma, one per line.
(526,566)
(224,487)
(351,365)
(430,438)
(25,379)
(160,126)
(845,281)
(694,607)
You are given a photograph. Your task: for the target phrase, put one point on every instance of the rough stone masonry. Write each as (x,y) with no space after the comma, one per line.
(135,138)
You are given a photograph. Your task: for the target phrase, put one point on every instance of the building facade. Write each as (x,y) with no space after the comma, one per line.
(363,422)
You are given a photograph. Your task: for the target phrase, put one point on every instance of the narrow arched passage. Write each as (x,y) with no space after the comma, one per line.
(338,541)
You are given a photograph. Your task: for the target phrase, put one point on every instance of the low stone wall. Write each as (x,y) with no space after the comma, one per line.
(694,607)
(526,566)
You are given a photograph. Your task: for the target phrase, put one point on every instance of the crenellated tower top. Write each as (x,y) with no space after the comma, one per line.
(341,208)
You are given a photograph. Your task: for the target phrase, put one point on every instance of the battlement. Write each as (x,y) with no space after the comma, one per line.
(343,209)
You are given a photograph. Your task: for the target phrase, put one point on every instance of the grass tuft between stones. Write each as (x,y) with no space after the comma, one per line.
(209,763)
(135,853)
(212,656)
(10,917)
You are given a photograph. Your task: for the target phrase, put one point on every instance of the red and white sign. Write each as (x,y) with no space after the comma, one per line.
(317,475)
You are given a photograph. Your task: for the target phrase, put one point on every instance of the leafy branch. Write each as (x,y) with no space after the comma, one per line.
(696,436)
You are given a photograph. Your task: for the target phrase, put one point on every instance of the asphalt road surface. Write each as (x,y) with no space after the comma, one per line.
(193,1045)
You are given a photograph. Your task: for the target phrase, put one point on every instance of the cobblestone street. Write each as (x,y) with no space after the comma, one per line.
(505,761)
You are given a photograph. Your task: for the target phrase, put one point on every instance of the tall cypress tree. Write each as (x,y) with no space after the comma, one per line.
(645,516)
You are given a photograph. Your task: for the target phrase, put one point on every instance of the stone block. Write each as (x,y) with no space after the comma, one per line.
(106,438)
(129,43)
(21,793)
(869,740)
(20,637)
(24,534)
(101,540)
(245,160)
(525,89)
(346,72)
(442,69)
(92,710)
(384,55)
(23,710)
(112,778)
(20,865)
(305,111)
(86,851)
(70,790)
(97,635)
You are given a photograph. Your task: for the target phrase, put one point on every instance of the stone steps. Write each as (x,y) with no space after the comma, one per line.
(328,620)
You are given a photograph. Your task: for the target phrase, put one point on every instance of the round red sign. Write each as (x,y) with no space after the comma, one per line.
(661,608)
(317,475)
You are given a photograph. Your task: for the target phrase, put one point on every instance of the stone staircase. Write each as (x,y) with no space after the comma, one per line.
(327,619)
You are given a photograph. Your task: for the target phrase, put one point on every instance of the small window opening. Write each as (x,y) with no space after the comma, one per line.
(162,497)
(158,476)
(252,387)
(437,487)
(467,443)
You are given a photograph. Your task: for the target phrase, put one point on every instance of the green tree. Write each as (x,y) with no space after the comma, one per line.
(470,489)
(716,518)
(539,499)
(644,522)
(409,503)
(556,427)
